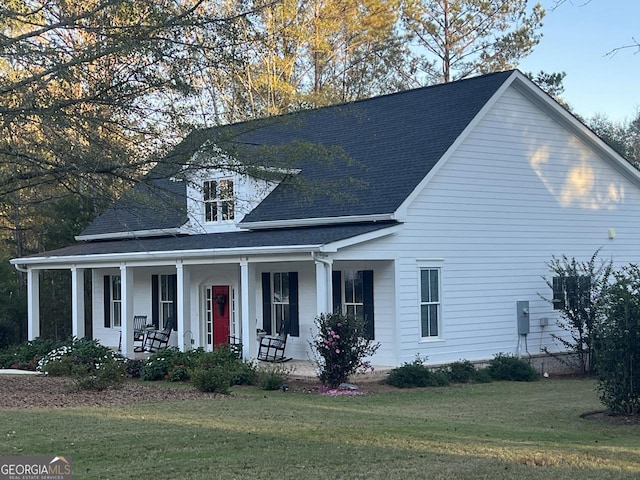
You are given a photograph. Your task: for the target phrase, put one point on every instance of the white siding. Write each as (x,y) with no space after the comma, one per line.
(519,190)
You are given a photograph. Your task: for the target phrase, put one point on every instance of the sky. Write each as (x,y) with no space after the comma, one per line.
(577,35)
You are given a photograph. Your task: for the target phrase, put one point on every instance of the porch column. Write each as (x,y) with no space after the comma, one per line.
(324,287)
(184,306)
(33,303)
(248,328)
(126,305)
(77,302)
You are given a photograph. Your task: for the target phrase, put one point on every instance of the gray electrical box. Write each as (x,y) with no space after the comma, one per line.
(522,307)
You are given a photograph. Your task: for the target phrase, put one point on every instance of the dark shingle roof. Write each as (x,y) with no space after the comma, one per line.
(393,141)
(313,236)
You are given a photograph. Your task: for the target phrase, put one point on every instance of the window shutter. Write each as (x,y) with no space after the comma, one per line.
(107,301)
(558,293)
(369,324)
(336,287)
(266,302)
(155,301)
(294,323)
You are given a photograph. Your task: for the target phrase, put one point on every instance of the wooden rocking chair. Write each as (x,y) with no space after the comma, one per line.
(139,324)
(157,339)
(272,348)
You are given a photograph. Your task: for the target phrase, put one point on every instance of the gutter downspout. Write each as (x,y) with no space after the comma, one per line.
(20,269)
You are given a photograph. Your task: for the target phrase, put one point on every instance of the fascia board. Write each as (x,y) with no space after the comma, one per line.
(118,258)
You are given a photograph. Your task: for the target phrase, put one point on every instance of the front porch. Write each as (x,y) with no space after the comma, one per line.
(212,299)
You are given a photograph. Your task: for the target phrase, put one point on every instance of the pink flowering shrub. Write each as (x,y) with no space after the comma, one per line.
(340,348)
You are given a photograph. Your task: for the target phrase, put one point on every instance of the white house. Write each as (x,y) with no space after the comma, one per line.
(461,194)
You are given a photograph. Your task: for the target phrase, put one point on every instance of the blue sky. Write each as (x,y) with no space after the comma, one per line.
(576,38)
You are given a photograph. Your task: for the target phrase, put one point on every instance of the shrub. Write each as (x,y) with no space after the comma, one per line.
(482,375)
(158,365)
(133,368)
(511,368)
(340,348)
(110,374)
(216,379)
(462,371)
(272,378)
(618,346)
(410,375)
(178,373)
(93,366)
(579,294)
(27,355)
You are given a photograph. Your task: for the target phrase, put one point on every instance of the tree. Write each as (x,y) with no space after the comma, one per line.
(299,54)
(467,37)
(624,137)
(578,293)
(618,346)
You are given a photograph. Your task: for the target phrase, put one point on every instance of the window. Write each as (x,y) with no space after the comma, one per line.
(219,203)
(167,298)
(571,292)
(430,302)
(280,302)
(116,301)
(353,294)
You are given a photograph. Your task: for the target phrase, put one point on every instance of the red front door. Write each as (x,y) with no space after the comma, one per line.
(221,303)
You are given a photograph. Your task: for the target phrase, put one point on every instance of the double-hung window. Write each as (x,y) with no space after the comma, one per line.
(430,306)
(116,301)
(219,201)
(280,302)
(354,294)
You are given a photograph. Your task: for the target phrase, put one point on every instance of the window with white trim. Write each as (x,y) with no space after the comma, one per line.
(219,200)
(116,301)
(430,306)
(167,300)
(280,301)
(354,293)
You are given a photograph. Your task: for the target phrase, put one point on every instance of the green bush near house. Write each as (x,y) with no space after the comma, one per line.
(26,356)
(462,371)
(511,368)
(416,374)
(618,345)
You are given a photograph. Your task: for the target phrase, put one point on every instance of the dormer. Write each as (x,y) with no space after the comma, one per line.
(218,199)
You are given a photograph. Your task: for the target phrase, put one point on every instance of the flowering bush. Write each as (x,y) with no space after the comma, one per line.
(92,365)
(76,355)
(340,348)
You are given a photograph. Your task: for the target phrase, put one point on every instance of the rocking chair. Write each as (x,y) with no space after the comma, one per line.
(272,348)
(139,323)
(157,339)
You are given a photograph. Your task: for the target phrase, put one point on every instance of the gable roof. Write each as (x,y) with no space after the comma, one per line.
(391,143)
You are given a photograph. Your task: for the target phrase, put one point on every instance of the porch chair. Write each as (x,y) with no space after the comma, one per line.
(272,348)
(157,339)
(139,323)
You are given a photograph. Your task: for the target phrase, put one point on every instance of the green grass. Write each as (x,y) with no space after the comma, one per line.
(485,431)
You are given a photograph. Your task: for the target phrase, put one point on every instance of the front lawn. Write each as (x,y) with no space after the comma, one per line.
(491,431)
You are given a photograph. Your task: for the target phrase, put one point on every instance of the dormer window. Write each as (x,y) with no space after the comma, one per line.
(219,203)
